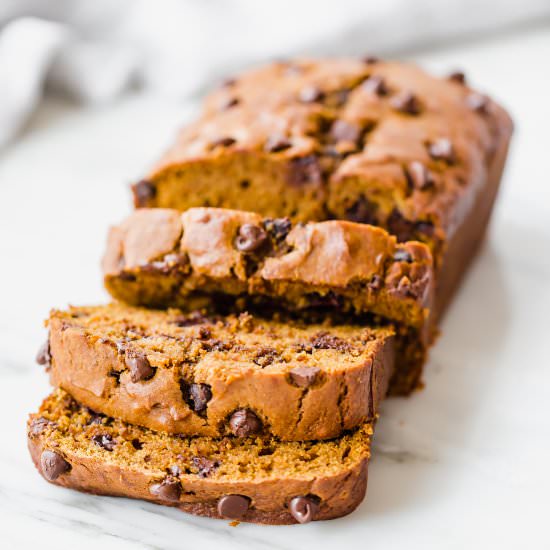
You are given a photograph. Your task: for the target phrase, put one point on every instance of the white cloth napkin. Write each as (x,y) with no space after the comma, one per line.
(95,51)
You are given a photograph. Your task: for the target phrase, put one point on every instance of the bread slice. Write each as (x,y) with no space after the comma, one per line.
(227,375)
(366,140)
(256,479)
(162,258)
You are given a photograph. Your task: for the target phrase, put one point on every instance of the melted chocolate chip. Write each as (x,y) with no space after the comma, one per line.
(458,77)
(277,143)
(105,441)
(265,356)
(196,396)
(144,192)
(442,149)
(44,356)
(478,103)
(244,422)
(278,228)
(168,489)
(304,377)
(53,465)
(233,506)
(376,85)
(343,130)
(401,255)
(406,102)
(205,466)
(303,509)
(223,142)
(250,238)
(399,226)
(325,340)
(137,444)
(37,426)
(311,94)
(139,366)
(362,211)
(304,170)
(418,176)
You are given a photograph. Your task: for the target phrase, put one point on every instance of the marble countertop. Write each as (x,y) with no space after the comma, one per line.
(461,464)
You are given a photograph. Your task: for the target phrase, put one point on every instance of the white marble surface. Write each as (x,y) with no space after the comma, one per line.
(462,464)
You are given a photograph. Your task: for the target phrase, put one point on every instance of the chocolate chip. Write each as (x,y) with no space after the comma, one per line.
(196,396)
(53,465)
(216,345)
(205,333)
(457,76)
(38,425)
(205,466)
(442,149)
(105,441)
(244,422)
(370,59)
(325,340)
(401,255)
(478,103)
(223,142)
(397,225)
(311,94)
(376,85)
(168,489)
(140,368)
(303,509)
(278,228)
(418,176)
(304,377)
(144,192)
(228,103)
(233,506)
(342,130)
(44,356)
(406,102)
(277,143)
(304,170)
(137,444)
(375,283)
(362,211)
(265,356)
(250,238)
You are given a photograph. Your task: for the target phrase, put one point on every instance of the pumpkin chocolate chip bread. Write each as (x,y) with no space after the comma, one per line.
(364,140)
(255,479)
(214,376)
(161,258)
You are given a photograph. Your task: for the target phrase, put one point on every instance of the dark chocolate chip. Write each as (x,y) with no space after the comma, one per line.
(105,441)
(397,225)
(362,211)
(205,333)
(196,396)
(127,276)
(265,356)
(370,59)
(311,94)
(478,103)
(375,283)
(44,356)
(303,509)
(38,425)
(342,130)
(53,465)
(418,176)
(205,466)
(304,170)
(406,102)
(457,76)
(168,489)
(325,340)
(233,506)
(250,238)
(228,103)
(277,143)
(144,192)
(304,377)
(137,444)
(278,228)
(244,422)
(375,85)
(140,368)
(223,142)
(401,255)
(442,149)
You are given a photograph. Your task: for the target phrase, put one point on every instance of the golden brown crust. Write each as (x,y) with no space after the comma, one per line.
(119,469)
(350,266)
(242,364)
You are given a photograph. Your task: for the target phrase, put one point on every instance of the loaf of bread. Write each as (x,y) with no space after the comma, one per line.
(364,140)
(255,479)
(234,375)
